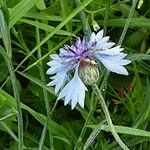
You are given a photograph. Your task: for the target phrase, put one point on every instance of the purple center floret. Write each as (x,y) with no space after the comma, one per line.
(79,50)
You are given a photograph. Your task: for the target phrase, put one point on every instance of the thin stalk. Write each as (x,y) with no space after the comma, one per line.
(16,95)
(10,132)
(21,41)
(5,33)
(82,132)
(128,21)
(85,25)
(42,76)
(5,126)
(106,16)
(103,9)
(108,118)
(92,104)
(104,82)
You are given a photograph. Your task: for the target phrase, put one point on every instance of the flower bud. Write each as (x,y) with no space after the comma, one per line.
(88,72)
(96,27)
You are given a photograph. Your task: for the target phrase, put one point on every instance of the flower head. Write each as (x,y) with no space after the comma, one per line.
(83,54)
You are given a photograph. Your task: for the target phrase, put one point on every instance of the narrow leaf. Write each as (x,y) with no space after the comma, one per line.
(20,10)
(4,31)
(124,130)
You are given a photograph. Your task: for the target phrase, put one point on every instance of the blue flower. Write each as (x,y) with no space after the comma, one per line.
(64,67)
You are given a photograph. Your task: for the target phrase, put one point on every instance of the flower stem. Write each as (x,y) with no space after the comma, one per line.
(41,71)
(83,131)
(107,115)
(85,24)
(106,15)
(16,95)
(77,145)
(128,21)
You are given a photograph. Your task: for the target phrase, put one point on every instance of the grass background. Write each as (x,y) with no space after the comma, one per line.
(30,30)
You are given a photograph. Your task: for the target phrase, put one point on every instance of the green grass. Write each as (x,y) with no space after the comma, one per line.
(30,116)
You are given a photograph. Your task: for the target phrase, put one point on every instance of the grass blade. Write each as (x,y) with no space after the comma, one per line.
(124,130)
(4,31)
(16,94)
(20,10)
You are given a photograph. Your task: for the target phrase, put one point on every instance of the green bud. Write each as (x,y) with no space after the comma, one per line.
(96,27)
(88,72)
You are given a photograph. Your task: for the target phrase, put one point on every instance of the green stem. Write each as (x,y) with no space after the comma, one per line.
(85,25)
(104,82)
(16,95)
(6,127)
(107,115)
(82,132)
(128,21)
(42,75)
(85,124)
(106,16)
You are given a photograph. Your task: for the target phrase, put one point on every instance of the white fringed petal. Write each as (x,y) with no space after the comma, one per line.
(112,51)
(60,70)
(58,80)
(99,35)
(73,92)
(105,45)
(55,56)
(115,63)
(54,69)
(55,64)
(93,38)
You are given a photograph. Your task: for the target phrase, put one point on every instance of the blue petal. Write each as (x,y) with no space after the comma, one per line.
(58,80)
(105,45)
(98,38)
(74,92)
(92,38)
(55,64)
(99,35)
(114,63)
(60,69)
(54,69)
(55,56)
(112,51)
(117,59)
(102,41)
(65,52)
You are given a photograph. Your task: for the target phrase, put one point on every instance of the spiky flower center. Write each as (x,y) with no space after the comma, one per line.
(86,62)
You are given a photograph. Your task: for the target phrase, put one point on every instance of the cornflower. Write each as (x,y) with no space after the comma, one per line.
(76,66)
